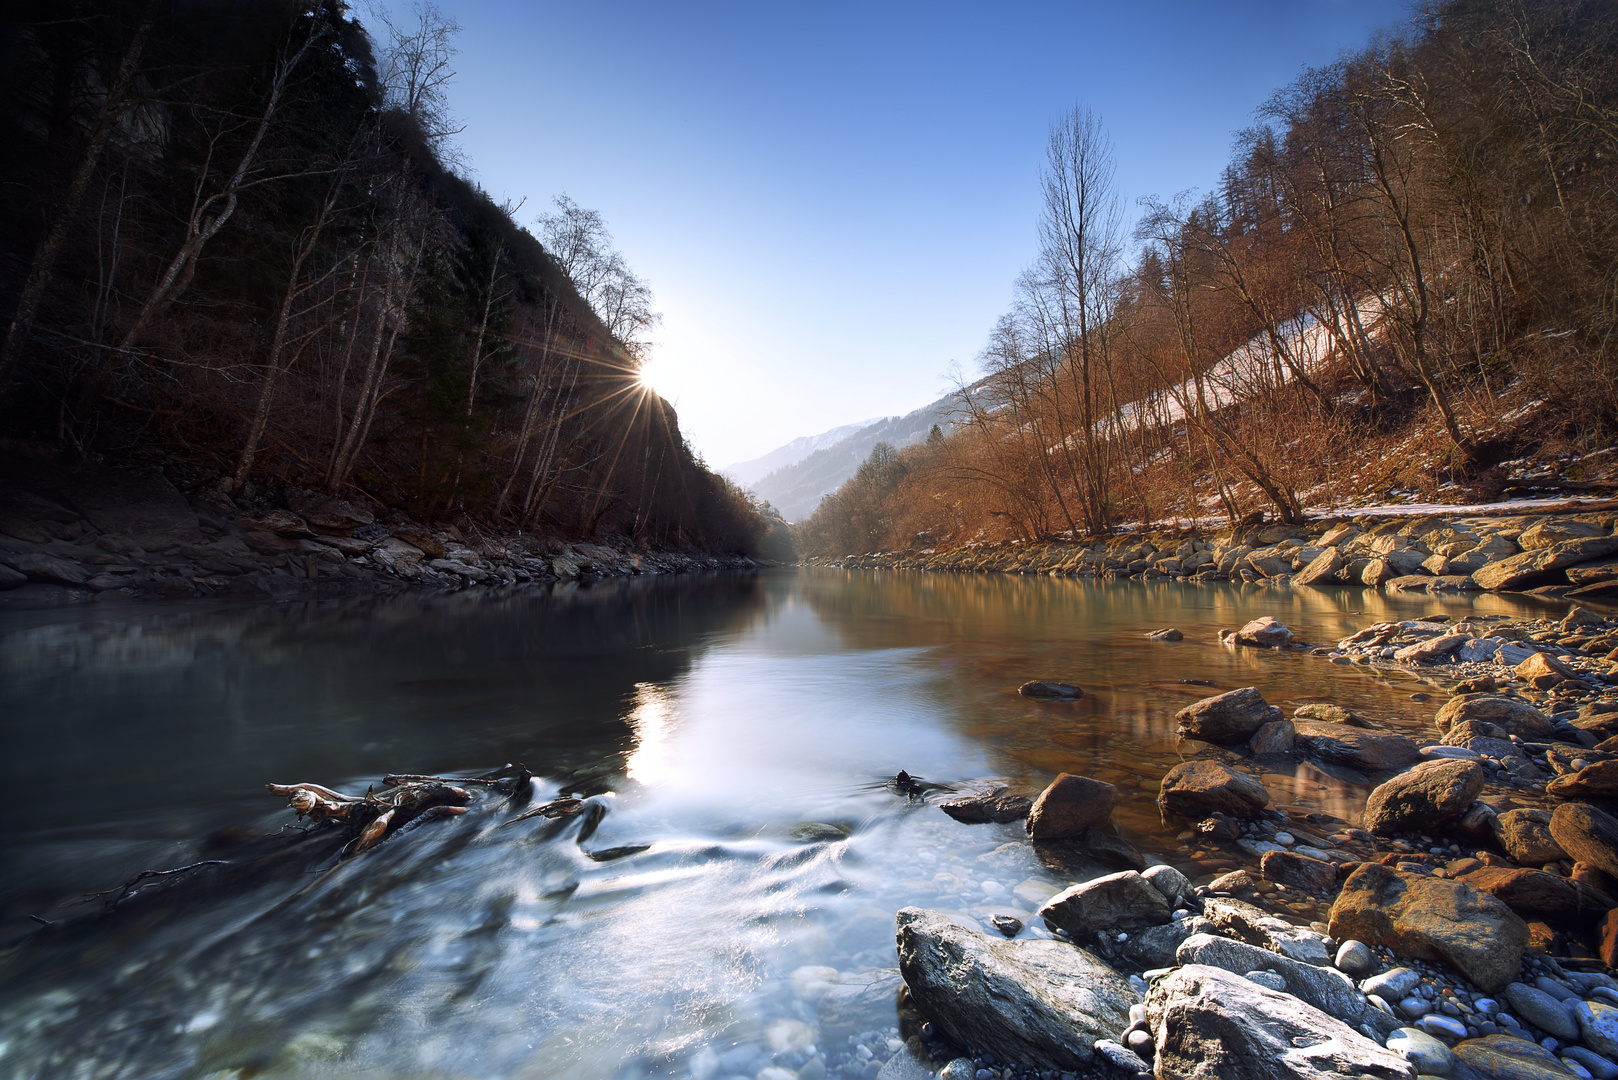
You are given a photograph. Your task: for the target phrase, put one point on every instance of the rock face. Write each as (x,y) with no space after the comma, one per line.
(1039,1003)
(1514,717)
(1588,834)
(1265,632)
(1330,991)
(1070,805)
(1434,919)
(1196,789)
(1424,798)
(1121,901)
(1227,718)
(1211,1024)
(1526,836)
(1342,744)
(1001,806)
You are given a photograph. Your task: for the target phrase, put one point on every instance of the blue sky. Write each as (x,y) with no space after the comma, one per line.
(831,201)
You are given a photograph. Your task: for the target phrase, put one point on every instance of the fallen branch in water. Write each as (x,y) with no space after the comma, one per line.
(376,815)
(133,883)
(556,808)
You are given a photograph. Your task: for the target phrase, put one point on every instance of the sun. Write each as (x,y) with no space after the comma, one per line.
(656,376)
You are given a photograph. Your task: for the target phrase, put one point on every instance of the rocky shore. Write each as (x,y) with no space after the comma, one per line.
(109,534)
(1569,554)
(1465,927)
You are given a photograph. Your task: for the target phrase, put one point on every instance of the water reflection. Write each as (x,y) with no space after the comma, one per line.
(734,734)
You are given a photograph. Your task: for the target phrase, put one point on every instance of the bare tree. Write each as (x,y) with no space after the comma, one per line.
(416,67)
(578,240)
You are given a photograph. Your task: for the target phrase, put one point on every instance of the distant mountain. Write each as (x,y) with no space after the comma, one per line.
(746,473)
(796,489)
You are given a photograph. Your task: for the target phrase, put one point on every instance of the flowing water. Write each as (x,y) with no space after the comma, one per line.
(737,734)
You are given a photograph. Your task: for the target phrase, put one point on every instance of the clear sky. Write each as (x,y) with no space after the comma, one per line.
(831,201)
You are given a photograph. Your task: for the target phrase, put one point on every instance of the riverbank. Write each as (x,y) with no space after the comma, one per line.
(1570,553)
(75,536)
(1465,925)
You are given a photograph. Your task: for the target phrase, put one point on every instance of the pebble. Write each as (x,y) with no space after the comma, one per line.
(1598,1066)
(1442,1026)
(1427,1054)
(1355,959)
(1285,838)
(1415,1007)
(1576,1069)
(1486,1006)
(1393,984)
(1140,1042)
(959,1069)
(1542,1010)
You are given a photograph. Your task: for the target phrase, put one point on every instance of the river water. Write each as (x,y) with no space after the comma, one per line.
(737,733)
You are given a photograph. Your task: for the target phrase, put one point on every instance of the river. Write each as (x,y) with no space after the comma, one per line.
(736,731)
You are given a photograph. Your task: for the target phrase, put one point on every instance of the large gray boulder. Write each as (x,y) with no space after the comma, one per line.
(1429,795)
(1325,988)
(1227,718)
(1039,1003)
(1122,901)
(1211,1024)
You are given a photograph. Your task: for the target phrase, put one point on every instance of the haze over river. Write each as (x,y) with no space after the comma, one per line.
(742,727)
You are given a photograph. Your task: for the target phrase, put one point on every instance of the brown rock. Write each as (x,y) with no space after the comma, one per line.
(1543,566)
(1317,877)
(1227,718)
(1265,632)
(1070,805)
(1432,918)
(1509,1058)
(1541,939)
(1598,780)
(1534,894)
(1608,950)
(1543,672)
(1276,737)
(1588,834)
(1595,877)
(1515,717)
(1197,788)
(1046,690)
(1526,836)
(1000,806)
(1323,569)
(1424,798)
(1340,744)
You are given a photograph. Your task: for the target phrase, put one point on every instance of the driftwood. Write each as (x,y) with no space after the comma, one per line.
(134,883)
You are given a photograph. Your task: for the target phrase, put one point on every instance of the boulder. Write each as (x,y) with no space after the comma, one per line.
(330,514)
(1587,834)
(1196,789)
(1526,836)
(1039,1003)
(1429,795)
(1325,988)
(1265,632)
(1513,716)
(999,806)
(1070,805)
(1122,901)
(1506,1057)
(1276,737)
(1603,591)
(1212,1024)
(1317,877)
(1598,780)
(1050,691)
(1323,569)
(1155,946)
(1341,744)
(1432,650)
(1174,885)
(1432,918)
(1534,894)
(1547,534)
(281,523)
(1168,634)
(1543,566)
(41,567)
(1543,672)
(1227,718)
(1258,927)
(1598,1026)
(1594,572)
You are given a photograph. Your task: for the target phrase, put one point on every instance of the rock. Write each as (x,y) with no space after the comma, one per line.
(1119,1056)
(1429,795)
(1426,1054)
(1330,714)
(1050,691)
(846,1007)
(910,1062)
(1441,1026)
(267,543)
(1257,927)
(1227,718)
(1598,780)
(1039,1003)
(9,578)
(1122,901)
(1392,984)
(1264,978)
(999,806)
(1596,1065)
(1542,1010)
(1264,632)
(1598,1026)
(1322,569)
(1211,1024)
(1095,845)
(1196,788)
(330,514)
(1454,753)
(1543,566)
(1543,672)
(1604,591)
(1316,877)
(138,503)
(281,523)
(1433,919)
(1340,744)
(1592,573)
(1556,531)
(1526,836)
(1513,716)
(1588,834)
(1070,805)
(1505,1057)
(1155,946)
(1355,959)
(1432,650)
(1326,989)
(1475,826)
(1169,634)
(1276,737)
(1169,882)
(41,567)
(1008,925)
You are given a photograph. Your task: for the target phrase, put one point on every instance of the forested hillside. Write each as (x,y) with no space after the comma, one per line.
(235,234)
(1406,282)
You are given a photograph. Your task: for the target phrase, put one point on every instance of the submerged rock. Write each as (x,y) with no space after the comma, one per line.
(1040,1003)
(1344,744)
(1050,691)
(1214,1025)
(999,806)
